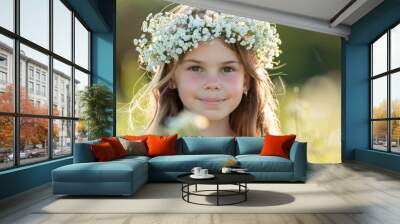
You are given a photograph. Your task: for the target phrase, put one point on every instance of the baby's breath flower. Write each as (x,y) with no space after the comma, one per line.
(171,35)
(178,51)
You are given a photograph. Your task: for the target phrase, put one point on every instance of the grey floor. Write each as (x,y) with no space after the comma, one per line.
(377,188)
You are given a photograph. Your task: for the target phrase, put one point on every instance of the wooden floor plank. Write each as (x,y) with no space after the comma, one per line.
(377,191)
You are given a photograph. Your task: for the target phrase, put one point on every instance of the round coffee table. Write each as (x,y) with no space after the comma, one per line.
(238,179)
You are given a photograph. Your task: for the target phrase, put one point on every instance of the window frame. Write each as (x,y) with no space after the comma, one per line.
(388,74)
(3,74)
(16,115)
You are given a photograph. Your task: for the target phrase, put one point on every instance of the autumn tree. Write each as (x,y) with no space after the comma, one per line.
(6,122)
(33,130)
(380,127)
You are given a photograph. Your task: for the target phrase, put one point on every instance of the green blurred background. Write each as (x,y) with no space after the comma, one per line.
(309,89)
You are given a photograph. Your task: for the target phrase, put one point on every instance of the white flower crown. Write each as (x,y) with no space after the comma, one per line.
(171,35)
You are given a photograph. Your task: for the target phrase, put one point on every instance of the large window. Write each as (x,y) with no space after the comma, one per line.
(385,91)
(44,64)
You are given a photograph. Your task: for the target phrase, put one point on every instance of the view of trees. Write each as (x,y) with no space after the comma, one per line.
(34,131)
(380,127)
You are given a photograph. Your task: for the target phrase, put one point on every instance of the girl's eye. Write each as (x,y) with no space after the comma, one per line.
(228,69)
(195,68)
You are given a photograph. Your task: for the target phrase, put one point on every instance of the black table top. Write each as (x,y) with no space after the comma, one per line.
(220,178)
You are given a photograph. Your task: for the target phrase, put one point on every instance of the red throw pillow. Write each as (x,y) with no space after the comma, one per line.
(161,145)
(103,151)
(277,145)
(116,145)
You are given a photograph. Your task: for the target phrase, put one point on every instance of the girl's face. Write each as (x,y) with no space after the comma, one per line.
(210,80)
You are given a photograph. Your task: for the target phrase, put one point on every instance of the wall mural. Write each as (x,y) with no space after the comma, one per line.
(247,78)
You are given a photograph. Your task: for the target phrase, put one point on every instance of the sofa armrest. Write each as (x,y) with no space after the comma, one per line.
(83,152)
(298,155)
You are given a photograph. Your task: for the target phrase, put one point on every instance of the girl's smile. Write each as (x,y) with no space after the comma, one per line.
(212,101)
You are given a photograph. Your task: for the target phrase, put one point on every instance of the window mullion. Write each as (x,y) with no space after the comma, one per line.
(16,70)
(73,82)
(389,106)
(371,137)
(50,81)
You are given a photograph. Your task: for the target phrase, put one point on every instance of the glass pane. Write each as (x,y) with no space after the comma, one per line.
(379,55)
(379,135)
(62,29)
(81,131)
(34,94)
(395,136)
(81,81)
(7,14)
(6,142)
(62,138)
(379,97)
(62,89)
(395,47)
(6,74)
(81,45)
(395,94)
(33,139)
(35,21)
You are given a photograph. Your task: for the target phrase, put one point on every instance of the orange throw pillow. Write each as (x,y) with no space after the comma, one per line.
(277,145)
(161,145)
(136,137)
(116,145)
(103,151)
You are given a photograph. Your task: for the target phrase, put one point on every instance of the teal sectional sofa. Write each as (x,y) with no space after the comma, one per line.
(125,176)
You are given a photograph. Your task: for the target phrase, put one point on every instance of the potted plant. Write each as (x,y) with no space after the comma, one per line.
(96,102)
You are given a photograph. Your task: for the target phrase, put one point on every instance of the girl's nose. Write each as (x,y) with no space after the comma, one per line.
(212,82)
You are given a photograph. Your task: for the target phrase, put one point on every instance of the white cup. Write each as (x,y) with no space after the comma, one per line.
(196,170)
(226,170)
(203,172)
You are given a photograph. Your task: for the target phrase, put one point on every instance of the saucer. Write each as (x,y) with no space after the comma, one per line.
(240,171)
(208,176)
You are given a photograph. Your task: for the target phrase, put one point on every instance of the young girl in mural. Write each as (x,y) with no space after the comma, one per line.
(211,64)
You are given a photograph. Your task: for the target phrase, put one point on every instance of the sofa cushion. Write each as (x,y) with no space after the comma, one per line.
(277,145)
(185,163)
(249,145)
(257,163)
(134,147)
(83,152)
(116,145)
(142,138)
(206,145)
(136,137)
(111,171)
(159,145)
(132,158)
(103,151)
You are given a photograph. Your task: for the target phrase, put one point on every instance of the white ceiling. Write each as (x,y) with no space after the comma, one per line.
(321,9)
(326,16)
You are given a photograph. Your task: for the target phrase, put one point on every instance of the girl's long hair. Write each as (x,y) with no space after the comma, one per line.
(255,115)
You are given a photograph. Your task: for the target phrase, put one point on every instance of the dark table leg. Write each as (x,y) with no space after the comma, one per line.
(217,194)
(188,189)
(245,193)
(182,189)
